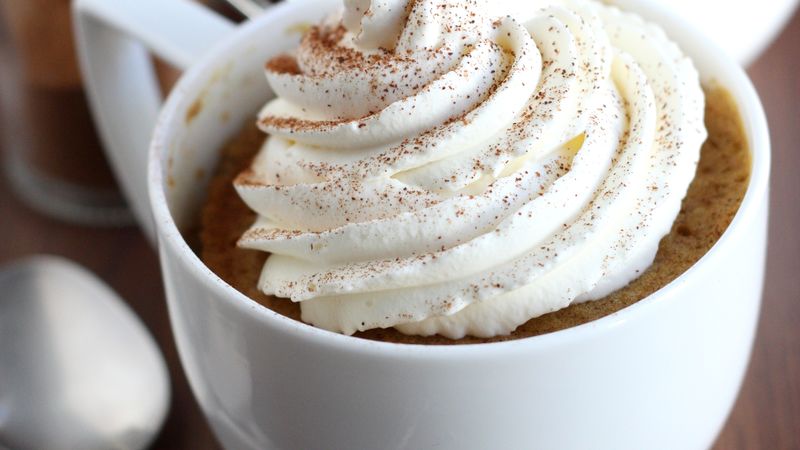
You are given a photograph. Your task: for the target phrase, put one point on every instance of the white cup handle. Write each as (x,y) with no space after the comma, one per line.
(112,40)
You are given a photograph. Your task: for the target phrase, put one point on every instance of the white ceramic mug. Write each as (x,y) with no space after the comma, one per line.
(661,374)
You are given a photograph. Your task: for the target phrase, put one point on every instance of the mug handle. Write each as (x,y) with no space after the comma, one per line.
(113,38)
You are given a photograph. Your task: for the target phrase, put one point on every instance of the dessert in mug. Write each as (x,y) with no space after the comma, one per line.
(437,170)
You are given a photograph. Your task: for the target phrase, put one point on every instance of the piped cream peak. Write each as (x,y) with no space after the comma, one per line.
(439,167)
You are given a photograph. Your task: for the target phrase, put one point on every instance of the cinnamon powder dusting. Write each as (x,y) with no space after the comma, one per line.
(285,64)
(712,201)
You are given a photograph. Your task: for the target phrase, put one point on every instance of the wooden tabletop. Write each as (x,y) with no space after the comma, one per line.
(766,415)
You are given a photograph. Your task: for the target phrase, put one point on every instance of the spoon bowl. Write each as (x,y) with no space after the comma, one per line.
(77,367)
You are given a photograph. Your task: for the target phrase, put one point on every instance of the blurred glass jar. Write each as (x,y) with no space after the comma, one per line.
(53,157)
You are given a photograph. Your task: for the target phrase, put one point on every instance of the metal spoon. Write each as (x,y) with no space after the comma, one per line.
(78,370)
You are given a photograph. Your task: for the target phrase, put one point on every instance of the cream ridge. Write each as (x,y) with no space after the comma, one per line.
(458,167)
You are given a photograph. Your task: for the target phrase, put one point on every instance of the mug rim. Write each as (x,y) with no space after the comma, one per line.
(738,84)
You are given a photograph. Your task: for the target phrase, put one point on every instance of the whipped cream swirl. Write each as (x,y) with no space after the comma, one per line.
(438,167)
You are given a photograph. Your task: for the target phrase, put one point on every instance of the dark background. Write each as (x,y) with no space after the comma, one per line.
(767,413)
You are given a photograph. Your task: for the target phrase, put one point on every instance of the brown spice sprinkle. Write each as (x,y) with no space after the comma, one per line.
(712,201)
(194,110)
(286,64)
